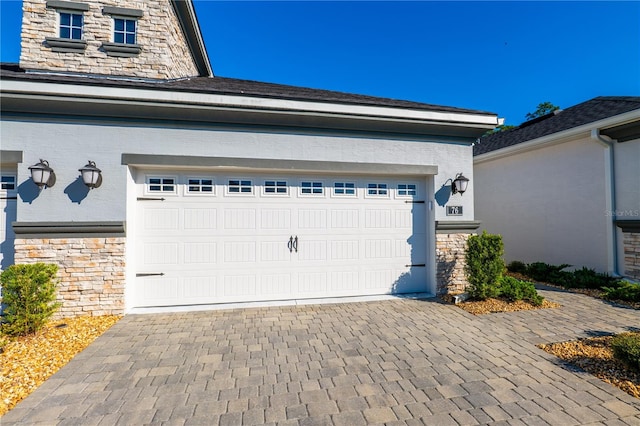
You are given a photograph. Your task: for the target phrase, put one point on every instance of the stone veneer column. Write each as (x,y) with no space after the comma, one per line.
(451,249)
(631,241)
(450,263)
(91,269)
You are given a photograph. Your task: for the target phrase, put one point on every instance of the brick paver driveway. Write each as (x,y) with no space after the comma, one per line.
(393,362)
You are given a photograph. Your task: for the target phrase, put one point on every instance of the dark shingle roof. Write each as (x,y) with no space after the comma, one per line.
(578,115)
(230,86)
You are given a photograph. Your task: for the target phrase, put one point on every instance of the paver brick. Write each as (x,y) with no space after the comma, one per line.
(400,362)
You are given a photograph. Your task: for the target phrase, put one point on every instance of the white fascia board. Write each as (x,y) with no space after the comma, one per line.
(242,102)
(559,137)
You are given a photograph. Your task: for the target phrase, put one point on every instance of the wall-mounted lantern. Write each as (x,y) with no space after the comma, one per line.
(91,175)
(459,184)
(42,174)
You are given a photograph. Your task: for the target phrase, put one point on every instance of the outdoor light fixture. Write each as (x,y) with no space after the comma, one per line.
(91,175)
(459,184)
(42,174)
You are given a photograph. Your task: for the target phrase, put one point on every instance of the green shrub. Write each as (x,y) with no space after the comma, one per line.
(513,289)
(624,291)
(589,278)
(517,267)
(540,271)
(28,296)
(484,265)
(626,348)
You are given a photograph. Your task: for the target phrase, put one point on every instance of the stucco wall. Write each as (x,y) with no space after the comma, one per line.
(67,146)
(165,53)
(548,204)
(627,159)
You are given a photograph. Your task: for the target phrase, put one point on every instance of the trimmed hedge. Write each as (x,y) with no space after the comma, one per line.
(484,265)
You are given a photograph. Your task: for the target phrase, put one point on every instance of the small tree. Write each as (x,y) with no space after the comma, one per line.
(543,108)
(28,296)
(484,265)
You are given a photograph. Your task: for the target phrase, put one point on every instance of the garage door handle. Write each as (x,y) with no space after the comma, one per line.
(150,274)
(290,244)
(295,244)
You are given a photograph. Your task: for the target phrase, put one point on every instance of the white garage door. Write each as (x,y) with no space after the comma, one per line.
(7,215)
(205,239)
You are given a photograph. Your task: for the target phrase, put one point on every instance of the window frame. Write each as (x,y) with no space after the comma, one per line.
(149,191)
(241,183)
(189,193)
(345,188)
(3,189)
(312,194)
(64,44)
(377,188)
(407,189)
(276,181)
(124,49)
(124,31)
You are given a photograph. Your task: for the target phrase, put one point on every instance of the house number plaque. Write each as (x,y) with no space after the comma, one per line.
(454,210)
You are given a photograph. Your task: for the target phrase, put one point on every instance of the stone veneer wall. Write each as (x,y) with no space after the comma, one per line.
(631,242)
(165,52)
(450,262)
(91,272)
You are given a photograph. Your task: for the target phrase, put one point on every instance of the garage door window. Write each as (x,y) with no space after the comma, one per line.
(240,186)
(162,184)
(377,190)
(344,188)
(200,186)
(311,188)
(406,190)
(8,183)
(275,187)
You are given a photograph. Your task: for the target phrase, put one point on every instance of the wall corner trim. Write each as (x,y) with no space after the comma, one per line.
(69,229)
(457,227)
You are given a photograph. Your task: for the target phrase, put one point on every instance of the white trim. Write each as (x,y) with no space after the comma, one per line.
(73,92)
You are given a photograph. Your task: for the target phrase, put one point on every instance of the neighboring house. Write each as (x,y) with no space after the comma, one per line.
(565,187)
(214,189)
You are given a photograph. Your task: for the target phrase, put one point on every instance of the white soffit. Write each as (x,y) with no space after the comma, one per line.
(71,91)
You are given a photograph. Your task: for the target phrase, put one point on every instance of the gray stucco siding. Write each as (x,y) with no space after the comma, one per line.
(70,144)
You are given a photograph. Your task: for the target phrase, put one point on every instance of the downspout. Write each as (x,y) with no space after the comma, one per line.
(609,144)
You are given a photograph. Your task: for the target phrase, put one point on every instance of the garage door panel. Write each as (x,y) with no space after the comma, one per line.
(224,247)
(239,219)
(240,252)
(201,219)
(276,219)
(200,253)
(274,251)
(160,218)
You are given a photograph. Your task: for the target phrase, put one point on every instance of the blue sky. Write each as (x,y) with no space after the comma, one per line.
(505,56)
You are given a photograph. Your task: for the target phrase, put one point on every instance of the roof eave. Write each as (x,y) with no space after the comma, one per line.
(558,137)
(191,29)
(20,97)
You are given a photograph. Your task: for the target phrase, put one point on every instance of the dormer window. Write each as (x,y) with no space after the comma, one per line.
(125,32)
(70,26)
